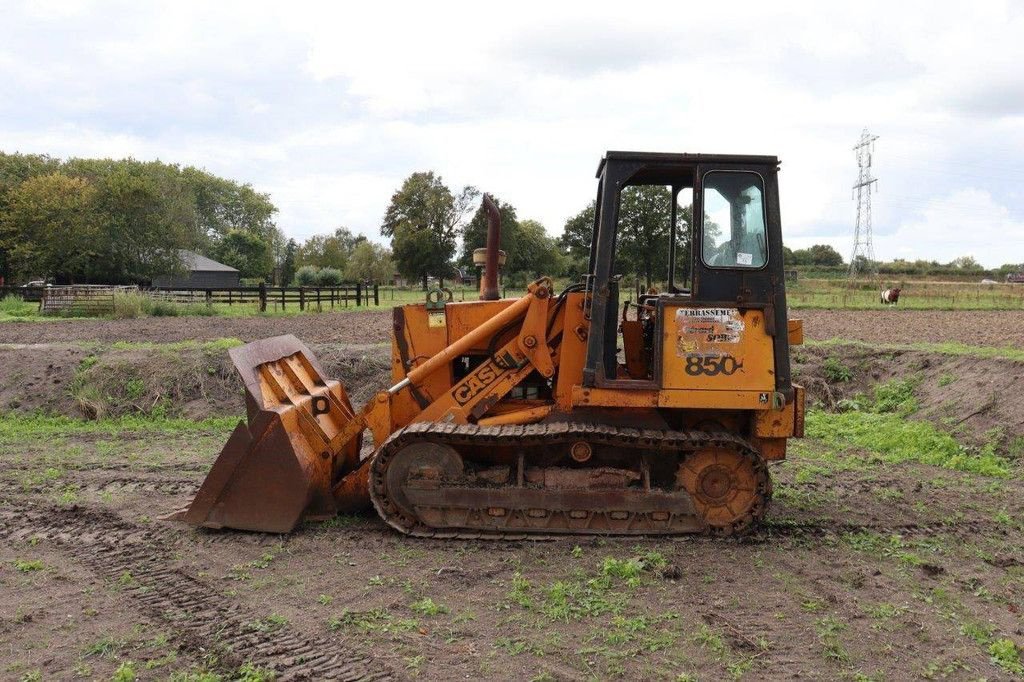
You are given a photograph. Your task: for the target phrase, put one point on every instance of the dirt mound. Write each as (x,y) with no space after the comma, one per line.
(173,380)
(975,398)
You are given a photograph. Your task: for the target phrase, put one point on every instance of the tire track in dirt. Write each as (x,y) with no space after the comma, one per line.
(138,558)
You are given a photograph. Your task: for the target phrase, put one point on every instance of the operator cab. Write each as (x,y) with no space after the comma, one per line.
(705,231)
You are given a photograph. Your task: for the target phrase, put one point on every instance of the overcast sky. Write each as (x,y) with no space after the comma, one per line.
(329,107)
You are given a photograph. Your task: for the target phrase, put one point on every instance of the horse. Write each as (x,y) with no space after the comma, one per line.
(891,296)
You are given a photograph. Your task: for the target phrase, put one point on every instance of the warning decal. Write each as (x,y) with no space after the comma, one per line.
(700,330)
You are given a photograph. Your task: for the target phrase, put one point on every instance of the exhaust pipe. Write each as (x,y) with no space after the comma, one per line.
(489,282)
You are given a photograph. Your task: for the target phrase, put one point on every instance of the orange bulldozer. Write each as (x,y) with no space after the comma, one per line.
(586,410)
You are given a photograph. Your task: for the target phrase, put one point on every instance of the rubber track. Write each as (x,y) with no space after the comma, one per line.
(121,552)
(532,435)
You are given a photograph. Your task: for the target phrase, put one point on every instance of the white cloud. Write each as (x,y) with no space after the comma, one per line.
(329,106)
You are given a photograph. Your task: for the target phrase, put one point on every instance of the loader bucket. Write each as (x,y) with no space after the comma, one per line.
(278,469)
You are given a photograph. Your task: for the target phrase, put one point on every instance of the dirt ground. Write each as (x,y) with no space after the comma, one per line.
(865,570)
(976,328)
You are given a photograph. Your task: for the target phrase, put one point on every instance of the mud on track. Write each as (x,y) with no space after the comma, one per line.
(976,328)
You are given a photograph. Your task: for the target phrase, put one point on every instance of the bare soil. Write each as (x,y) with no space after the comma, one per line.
(359,327)
(999,328)
(864,570)
(892,325)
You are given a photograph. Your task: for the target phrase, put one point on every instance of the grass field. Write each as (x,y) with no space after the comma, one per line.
(919,295)
(808,293)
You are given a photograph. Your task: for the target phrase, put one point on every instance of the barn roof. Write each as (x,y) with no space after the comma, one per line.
(199,263)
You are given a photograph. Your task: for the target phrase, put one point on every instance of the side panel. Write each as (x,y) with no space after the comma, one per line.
(715,349)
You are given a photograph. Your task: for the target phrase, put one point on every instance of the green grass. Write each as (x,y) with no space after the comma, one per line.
(22,427)
(895,439)
(916,295)
(947,348)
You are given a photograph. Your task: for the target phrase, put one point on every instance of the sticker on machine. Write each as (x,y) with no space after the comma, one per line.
(699,328)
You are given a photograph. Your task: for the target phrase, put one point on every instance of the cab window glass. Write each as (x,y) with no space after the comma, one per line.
(733,233)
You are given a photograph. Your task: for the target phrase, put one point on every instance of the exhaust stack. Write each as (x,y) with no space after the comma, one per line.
(489,281)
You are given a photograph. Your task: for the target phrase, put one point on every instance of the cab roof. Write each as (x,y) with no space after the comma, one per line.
(675,158)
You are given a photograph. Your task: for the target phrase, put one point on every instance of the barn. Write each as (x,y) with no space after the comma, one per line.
(201,273)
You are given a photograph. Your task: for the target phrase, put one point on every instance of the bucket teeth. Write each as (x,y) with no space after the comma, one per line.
(279,469)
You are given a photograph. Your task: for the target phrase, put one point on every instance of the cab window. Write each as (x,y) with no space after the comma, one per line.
(733,229)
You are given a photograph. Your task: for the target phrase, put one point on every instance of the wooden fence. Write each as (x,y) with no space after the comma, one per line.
(273,297)
(81,299)
(317,298)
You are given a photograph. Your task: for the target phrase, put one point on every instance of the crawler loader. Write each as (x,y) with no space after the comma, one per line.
(590,410)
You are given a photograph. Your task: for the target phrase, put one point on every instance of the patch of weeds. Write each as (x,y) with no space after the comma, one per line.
(428,607)
(1007,655)
(414,663)
(835,371)
(885,611)
(124,673)
(514,646)
(710,640)
(809,473)
(375,620)
(627,569)
(946,379)
(28,565)
(520,591)
(325,599)
(154,663)
(271,623)
(576,552)
(253,673)
(896,396)
(892,547)
(937,670)
(376,581)
(828,629)
(104,648)
(896,439)
(887,494)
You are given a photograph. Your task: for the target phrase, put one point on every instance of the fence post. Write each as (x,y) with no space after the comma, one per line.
(376,295)
(359,294)
(263,297)
(282,299)
(318,299)
(209,297)
(302,298)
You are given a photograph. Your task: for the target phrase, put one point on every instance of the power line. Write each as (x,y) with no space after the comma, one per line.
(862,243)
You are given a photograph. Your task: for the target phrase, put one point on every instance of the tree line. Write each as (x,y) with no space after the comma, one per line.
(117,221)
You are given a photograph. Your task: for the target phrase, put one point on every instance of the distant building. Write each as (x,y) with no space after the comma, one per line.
(201,272)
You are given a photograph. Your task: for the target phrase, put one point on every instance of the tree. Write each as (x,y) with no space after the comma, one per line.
(578,234)
(246,252)
(223,205)
(329,251)
(644,230)
(50,227)
(537,253)
(422,221)
(966,263)
(287,264)
(147,217)
(370,262)
(823,254)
